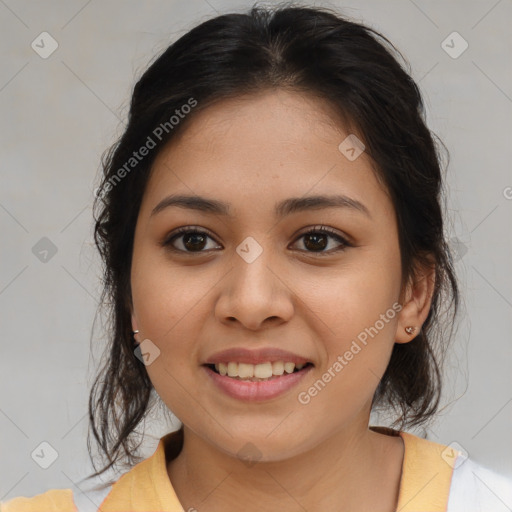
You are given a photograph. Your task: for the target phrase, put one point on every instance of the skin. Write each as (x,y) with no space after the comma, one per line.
(253,152)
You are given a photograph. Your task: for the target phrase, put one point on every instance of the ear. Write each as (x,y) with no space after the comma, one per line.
(417,299)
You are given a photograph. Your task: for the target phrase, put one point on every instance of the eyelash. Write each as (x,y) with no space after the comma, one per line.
(167,243)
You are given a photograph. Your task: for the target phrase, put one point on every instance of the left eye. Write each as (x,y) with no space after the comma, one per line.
(315,240)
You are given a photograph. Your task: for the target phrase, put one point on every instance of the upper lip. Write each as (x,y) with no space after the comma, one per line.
(255,356)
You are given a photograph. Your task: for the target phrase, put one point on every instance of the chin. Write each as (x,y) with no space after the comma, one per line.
(256,447)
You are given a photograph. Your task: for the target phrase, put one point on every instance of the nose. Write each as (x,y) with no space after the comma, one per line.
(254,294)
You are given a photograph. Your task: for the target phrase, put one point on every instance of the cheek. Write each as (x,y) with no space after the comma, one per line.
(166,296)
(358,332)
(165,300)
(354,312)
(352,297)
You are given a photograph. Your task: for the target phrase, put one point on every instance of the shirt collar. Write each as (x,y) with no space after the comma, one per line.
(147,486)
(424,485)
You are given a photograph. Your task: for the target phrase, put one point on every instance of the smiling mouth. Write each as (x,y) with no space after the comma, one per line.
(257,373)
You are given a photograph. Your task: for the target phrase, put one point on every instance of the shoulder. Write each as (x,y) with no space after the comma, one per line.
(53,500)
(58,500)
(455,482)
(478,488)
(142,486)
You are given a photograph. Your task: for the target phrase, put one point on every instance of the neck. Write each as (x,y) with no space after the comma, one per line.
(354,469)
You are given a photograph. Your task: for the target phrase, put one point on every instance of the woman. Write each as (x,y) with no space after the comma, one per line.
(272,233)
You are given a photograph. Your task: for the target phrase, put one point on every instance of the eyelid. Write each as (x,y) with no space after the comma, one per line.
(322,228)
(185,230)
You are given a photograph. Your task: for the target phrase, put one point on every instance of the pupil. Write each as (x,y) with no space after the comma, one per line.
(193,245)
(315,237)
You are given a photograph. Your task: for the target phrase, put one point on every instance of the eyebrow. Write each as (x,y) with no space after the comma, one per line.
(282,209)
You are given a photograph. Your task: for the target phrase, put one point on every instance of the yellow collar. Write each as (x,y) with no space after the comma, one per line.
(426,473)
(424,485)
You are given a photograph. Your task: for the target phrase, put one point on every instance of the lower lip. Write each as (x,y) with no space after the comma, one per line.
(257,391)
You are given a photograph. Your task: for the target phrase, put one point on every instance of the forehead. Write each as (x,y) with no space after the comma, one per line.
(255,119)
(257,149)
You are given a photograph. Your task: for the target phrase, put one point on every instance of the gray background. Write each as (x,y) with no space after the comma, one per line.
(60,113)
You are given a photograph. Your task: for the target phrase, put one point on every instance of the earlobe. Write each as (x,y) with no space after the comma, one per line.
(416,306)
(411,329)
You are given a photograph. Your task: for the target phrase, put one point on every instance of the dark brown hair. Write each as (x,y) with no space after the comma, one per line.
(309,50)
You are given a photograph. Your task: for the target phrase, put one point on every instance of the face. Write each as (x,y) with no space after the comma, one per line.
(257,279)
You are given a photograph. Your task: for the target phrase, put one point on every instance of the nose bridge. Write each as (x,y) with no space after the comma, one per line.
(255,292)
(252,273)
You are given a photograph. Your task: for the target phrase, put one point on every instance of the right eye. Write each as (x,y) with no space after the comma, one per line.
(191,240)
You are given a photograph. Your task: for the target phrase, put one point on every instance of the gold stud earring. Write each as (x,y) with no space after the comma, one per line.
(410,329)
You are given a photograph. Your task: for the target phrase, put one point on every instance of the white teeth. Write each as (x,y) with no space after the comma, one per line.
(246,370)
(257,371)
(289,367)
(263,371)
(232,369)
(278,368)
